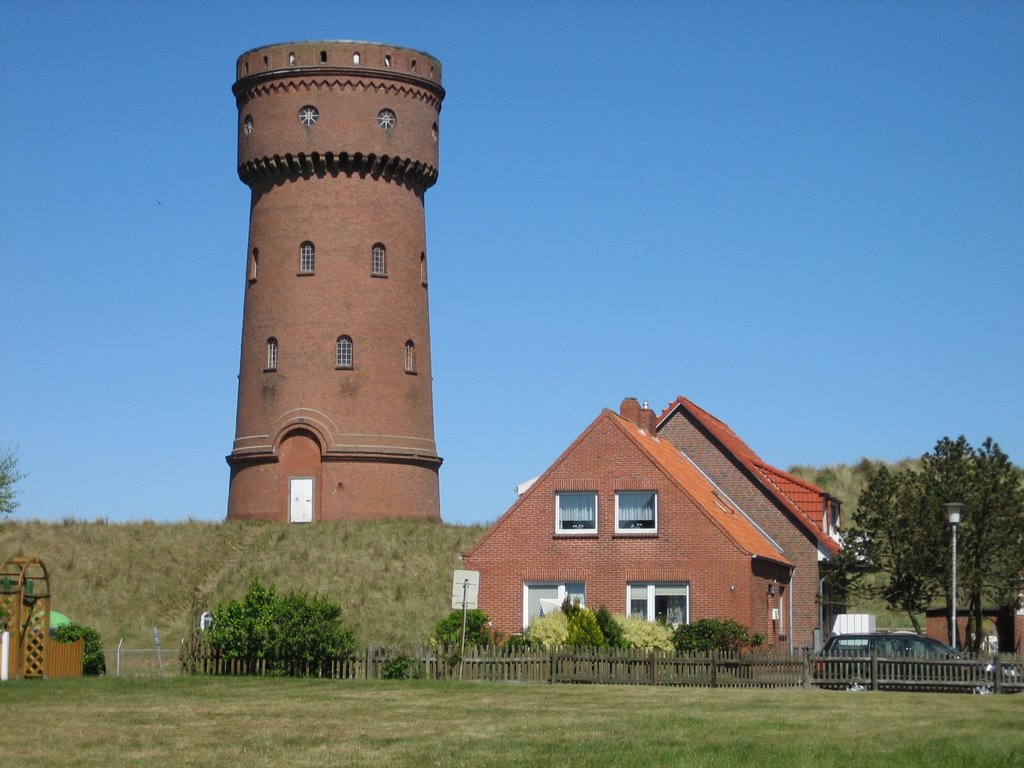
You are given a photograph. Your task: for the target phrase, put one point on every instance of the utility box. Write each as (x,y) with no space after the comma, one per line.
(853,623)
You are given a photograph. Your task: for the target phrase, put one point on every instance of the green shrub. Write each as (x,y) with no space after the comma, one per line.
(708,635)
(583,629)
(519,641)
(93,662)
(448,632)
(638,633)
(285,629)
(609,628)
(402,667)
(549,630)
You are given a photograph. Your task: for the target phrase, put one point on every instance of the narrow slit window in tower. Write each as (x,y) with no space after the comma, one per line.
(343,352)
(423,269)
(410,357)
(307,258)
(379,263)
(271,354)
(255,264)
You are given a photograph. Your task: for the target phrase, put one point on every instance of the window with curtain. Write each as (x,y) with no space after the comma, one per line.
(576,512)
(636,511)
(541,599)
(667,603)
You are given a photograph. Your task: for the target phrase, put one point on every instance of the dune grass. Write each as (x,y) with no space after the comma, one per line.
(392,578)
(269,722)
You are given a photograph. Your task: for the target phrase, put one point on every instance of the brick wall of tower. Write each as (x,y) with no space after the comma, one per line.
(752,498)
(344,184)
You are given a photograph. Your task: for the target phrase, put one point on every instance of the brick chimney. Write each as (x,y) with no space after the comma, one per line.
(647,419)
(630,410)
(641,415)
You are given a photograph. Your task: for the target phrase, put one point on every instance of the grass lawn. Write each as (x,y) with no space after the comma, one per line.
(259,722)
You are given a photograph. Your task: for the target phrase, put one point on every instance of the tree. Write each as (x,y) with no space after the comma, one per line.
(902,531)
(9,475)
(990,559)
(294,632)
(898,535)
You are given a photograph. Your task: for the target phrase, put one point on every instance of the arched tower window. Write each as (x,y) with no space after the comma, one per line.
(343,352)
(387,60)
(379,261)
(410,357)
(423,269)
(355,58)
(291,57)
(254,264)
(307,258)
(271,354)
(323,57)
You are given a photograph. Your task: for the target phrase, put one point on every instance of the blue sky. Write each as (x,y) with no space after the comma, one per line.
(806,217)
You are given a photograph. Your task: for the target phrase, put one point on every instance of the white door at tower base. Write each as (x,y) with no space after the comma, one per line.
(300,500)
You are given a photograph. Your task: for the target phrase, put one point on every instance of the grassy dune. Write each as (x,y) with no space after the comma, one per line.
(392,579)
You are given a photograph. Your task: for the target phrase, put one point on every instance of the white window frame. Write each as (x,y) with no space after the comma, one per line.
(410,357)
(620,528)
(379,260)
(574,531)
(272,353)
(652,589)
(564,589)
(343,352)
(307,258)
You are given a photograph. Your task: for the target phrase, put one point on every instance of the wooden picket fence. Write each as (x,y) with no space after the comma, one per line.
(638,667)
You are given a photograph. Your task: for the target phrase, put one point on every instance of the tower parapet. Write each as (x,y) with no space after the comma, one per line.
(338,142)
(354,76)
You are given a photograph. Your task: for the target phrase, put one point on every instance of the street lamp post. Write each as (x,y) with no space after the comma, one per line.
(953,509)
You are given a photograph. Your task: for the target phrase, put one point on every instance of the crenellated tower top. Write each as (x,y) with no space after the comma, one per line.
(397,89)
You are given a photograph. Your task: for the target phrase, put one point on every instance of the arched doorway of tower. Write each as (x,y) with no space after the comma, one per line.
(299,455)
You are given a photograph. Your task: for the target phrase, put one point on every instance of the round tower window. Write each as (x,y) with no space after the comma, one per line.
(248,125)
(308,116)
(386,119)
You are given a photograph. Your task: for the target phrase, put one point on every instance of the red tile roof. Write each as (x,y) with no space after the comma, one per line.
(695,484)
(804,500)
(687,477)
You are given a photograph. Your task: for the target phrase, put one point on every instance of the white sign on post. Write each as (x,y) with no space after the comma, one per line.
(465,587)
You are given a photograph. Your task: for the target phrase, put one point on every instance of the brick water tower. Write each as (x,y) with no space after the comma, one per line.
(337,142)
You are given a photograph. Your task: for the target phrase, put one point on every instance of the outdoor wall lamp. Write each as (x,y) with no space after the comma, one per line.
(771,590)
